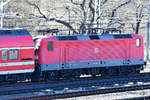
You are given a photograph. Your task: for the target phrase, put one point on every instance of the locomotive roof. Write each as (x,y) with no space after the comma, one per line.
(13,32)
(93,37)
(12,38)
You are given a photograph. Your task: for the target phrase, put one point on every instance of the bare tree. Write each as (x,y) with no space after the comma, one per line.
(134,17)
(77,15)
(92,16)
(113,20)
(42,15)
(87,18)
(139,16)
(82,7)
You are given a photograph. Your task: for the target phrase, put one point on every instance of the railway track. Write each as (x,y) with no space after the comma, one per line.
(89,92)
(87,86)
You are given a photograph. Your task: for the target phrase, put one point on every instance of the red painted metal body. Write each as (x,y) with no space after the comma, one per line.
(90,50)
(24,45)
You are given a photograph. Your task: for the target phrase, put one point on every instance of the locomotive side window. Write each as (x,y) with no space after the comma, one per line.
(13,54)
(50,46)
(138,42)
(4,55)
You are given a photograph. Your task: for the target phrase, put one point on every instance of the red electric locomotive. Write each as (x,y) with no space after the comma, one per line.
(72,56)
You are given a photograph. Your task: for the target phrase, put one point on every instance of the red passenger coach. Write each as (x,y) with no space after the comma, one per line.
(91,54)
(16,52)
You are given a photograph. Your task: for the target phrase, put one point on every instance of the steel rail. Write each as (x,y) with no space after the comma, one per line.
(59,85)
(85,93)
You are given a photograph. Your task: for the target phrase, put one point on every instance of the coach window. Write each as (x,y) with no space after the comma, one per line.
(4,55)
(138,42)
(13,54)
(50,46)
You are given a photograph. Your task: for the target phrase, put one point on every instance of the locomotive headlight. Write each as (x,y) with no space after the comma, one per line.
(138,42)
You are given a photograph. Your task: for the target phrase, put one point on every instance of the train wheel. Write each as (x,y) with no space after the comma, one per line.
(51,75)
(114,71)
(78,73)
(138,71)
(2,78)
(68,74)
(71,74)
(14,78)
(104,72)
(94,72)
(124,70)
(132,70)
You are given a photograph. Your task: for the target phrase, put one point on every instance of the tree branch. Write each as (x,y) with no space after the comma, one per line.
(52,19)
(74,2)
(39,10)
(115,9)
(105,1)
(139,17)
(121,5)
(82,26)
(93,14)
(64,23)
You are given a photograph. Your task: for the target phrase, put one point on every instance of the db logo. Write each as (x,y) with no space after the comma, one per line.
(96,50)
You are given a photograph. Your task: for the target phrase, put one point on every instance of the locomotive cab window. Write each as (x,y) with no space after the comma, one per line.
(50,46)
(13,54)
(4,55)
(138,42)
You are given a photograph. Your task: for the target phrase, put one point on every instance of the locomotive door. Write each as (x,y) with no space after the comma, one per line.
(63,58)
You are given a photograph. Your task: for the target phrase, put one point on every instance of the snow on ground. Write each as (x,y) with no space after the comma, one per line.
(113,96)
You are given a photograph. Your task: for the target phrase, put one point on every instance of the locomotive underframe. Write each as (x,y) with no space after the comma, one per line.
(99,68)
(93,72)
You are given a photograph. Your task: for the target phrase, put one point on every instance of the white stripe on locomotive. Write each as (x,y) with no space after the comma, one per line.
(16,71)
(17,48)
(17,63)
